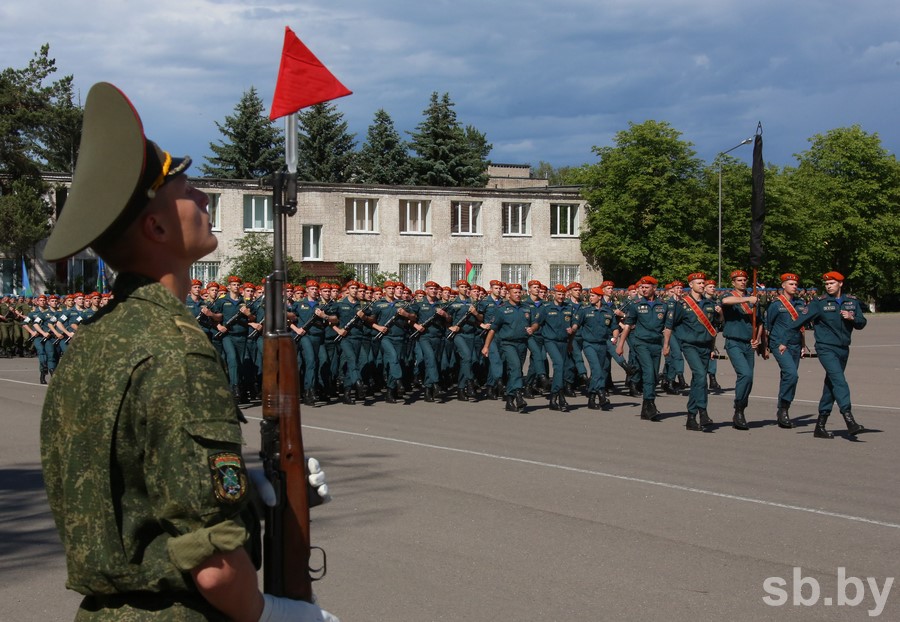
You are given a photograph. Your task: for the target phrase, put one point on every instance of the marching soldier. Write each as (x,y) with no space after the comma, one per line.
(430,317)
(349,314)
(488,307)
(741,342)
(513,324)
(557,325)
(390,322)
(691,320)
(835,316)
(464,317)
(785,344)
(310,329)
(232,315)
(710,292)
(644,322)
(597,324)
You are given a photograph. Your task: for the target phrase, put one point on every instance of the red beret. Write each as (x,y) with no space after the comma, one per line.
(631,288)
(736,273)
(789,276)
(559,287)
(196,282)
(833,276)
(496,282)
(419,291)
(710,282)
(432,284)
(288,286)
(461,282)
(514,286)
(677,283)
(647,280)
(77,294)
(312,283)
(597,291)
(533,282)
(248,284)
(574,285)
(695,276)
(94,294)
(234,279)
(607,284)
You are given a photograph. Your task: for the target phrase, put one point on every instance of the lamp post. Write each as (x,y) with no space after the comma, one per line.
(746,141)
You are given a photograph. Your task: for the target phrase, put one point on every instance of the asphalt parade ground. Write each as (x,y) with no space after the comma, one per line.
(462,511)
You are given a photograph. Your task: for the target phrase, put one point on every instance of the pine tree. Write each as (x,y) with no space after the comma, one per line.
(325,150)
(384,157)
(253,146)
(448,155)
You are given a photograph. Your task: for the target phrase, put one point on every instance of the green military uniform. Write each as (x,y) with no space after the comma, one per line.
(163,485)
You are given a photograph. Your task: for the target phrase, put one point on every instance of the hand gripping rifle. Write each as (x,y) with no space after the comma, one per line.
(451,335)
(418,333)
(351,323)
(388,324)
(229,323)
(306,326)
(286,543)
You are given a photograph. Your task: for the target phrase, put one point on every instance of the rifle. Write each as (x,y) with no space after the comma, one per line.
(229,323)
(253,334)
(286,543)
(452,334)
(351,323)
(418,333)
(306,325)
(387,325)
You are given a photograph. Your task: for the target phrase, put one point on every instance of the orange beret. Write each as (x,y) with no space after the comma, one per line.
(533,282)
(559,287)
(833,276)
(789,276)
(598,291)
(695,276)
(461,282)
(196,282)
(212,284)
(234,279)
(249,285)
(312,283)
(736,273)
(432,284)
(514,286)
(607,284)
(574,285)
(496,282)
(647,280)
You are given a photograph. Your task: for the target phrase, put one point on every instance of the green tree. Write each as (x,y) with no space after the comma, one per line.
(253,147)
(256,258)
(850,187)
(384,157)
(448,155)
(561,176)
(647,213)
(39,131)
(325,149)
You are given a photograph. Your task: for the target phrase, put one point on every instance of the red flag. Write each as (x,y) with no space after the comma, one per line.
(302,79)
(470,271)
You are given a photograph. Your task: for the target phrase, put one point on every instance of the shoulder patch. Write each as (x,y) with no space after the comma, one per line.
(229,477)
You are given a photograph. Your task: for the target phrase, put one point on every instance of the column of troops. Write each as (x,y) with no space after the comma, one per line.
(508,342)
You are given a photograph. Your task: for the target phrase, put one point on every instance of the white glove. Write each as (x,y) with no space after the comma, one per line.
(279,609)
(263,487)
(316,479)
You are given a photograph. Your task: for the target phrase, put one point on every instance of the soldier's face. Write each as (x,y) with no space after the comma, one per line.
(575,292)
(696,286)
(593,298)
(832,287)
(647,289)
(234,287)
(739,282)
(559,297)
(515,294)
(790,287)
(607,291)
(184,211)
(195,290)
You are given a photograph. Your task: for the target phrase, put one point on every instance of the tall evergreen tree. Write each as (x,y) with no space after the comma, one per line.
(384,157)
(253,145)
(325,149)
(448,155)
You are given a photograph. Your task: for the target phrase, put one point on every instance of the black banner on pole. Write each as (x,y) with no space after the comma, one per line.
(757,201)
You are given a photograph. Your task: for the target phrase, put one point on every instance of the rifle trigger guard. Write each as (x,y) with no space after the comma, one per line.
(316,574)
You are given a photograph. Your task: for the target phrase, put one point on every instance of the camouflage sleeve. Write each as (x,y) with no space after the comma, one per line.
(196,480)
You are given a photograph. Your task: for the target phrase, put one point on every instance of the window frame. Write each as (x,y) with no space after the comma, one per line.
(523,221)
(423,207)
(351,203)
(572,220)
(250,201)
(318,242)
(456,221)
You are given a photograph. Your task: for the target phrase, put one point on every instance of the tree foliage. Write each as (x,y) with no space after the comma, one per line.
(646,214)
(384,157)
(252,147)
(39,131)
(256,258)
(325,149)
(447,153)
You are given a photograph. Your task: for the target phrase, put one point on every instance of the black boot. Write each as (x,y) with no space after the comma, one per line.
(649,411)
(739,422)
(461,395)
(783,416)
(563,404)
(820,431)
(654,411)
(236,394)
(521,404)
(582,380)
(528,391)
(592,402)
(471,390)
(692,423)
(348,395)
(603,402)
(852,427)
(569,390)
(667,386)
(680,382)
(43,375)
(704,418)
(389,396)
(542,382)
(714,384)
(429,393)
(361,390)
(308,398)
(554,401)
(511,404)
(633,390)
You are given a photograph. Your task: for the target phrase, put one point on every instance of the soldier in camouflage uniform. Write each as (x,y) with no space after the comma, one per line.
(140,445)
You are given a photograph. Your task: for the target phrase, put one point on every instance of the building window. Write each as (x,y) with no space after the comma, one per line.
(258,212)
(205,271)
(415,216)
(563,274)
(362,215)
(515,219)
(458,271)
(465,218)
(215,212)
(365,272)
(414,275)
(82,274)
(564,219)
(9,273)
(312,242)
(515,273)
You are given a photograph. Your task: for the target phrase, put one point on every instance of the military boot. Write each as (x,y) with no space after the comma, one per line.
(348,395)
(389,396)
(461,395)
(820,431)
(633,390)
(680,382)
(739,422)
(692,423)
(783,416)
(43,375)
(429,393)
(714,384)
(603,402)
(704,418)
(592,402)
(554,401)
(852,427)
(511,404)
(521,404)
(563,404)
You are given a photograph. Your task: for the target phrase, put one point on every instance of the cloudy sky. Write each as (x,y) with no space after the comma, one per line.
(545,81)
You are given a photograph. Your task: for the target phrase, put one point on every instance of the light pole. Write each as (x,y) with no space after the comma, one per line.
(746,141)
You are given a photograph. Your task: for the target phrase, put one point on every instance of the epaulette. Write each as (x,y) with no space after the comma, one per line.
(822,297)
(851,297)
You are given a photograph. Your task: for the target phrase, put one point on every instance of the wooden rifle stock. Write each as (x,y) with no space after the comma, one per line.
(286,543)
